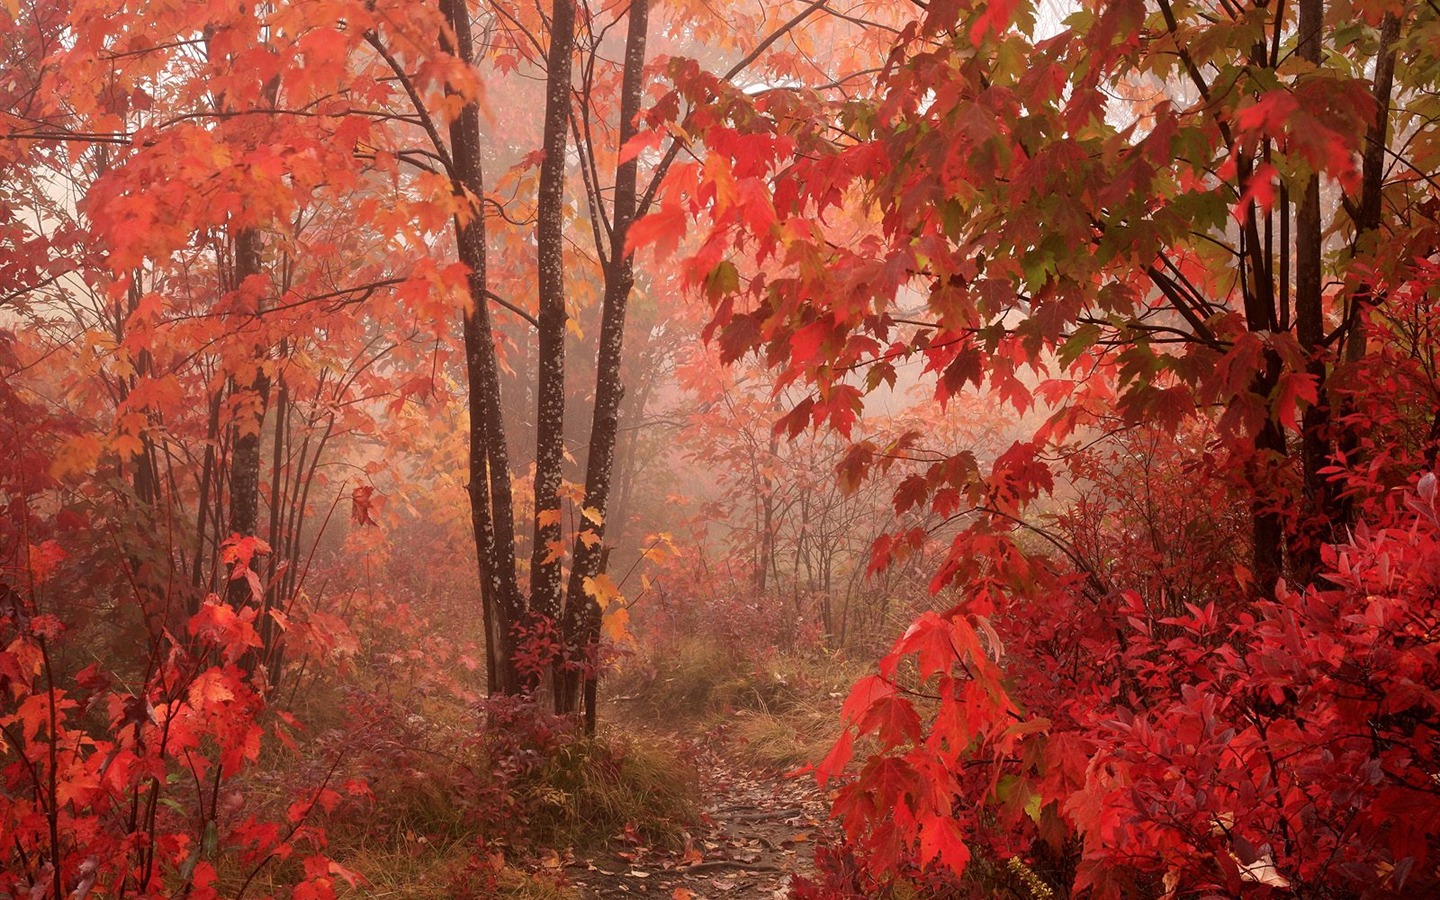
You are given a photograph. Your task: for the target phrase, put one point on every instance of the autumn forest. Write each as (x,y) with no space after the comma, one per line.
(701,449)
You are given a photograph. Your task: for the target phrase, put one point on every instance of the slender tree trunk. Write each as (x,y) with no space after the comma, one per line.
(1372,182)
(767,524)
(1310,331)
(1367,226)
(547,553)
(491,508)
(246,452)
(581,627)
(278,539)
(207,475)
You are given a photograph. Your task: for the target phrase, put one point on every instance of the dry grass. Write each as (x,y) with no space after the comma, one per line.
(783,712)
(444,822)
(591,791)
(420,870)
(697,679)
(799,736)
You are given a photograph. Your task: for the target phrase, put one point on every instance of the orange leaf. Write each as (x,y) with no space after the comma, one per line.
(44,558)
(645,140)
(362,505)
(616,626)
(221,625)
(211,688)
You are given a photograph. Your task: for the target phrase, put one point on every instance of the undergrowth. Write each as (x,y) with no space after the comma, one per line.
(780,710)
(438,797)
(435,797)
(590,791)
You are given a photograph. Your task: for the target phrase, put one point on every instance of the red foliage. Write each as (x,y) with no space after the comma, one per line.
(124,788)
(1248,742)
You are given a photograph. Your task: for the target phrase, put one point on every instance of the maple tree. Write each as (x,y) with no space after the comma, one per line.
(542,620)
(139,208)
(1189,230)
(239,236)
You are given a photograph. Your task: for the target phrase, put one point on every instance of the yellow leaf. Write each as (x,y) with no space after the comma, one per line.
(594,515)
(602,590)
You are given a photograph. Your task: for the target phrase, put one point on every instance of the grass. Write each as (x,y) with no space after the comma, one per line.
(590,791)
(783,711)
(420,870)
(460,809)
(801,735)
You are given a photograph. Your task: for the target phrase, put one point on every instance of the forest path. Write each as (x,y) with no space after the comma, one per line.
(757,829)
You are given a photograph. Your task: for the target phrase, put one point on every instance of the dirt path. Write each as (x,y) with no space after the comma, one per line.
(758,828)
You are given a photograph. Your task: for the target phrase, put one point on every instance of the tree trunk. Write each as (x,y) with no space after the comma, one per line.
(581,626)
(246,451)
(1310,331)
(491,508)
(207,475)
(767,523)
(550,260)
(1367,226)
(279,541)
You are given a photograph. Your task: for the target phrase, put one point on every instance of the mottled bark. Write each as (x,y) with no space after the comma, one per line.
(550,249)
(581,625)
(491,509)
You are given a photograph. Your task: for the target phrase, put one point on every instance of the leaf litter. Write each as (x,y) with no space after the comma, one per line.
(758,828)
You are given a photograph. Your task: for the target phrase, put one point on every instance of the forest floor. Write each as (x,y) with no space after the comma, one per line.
(757,828)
